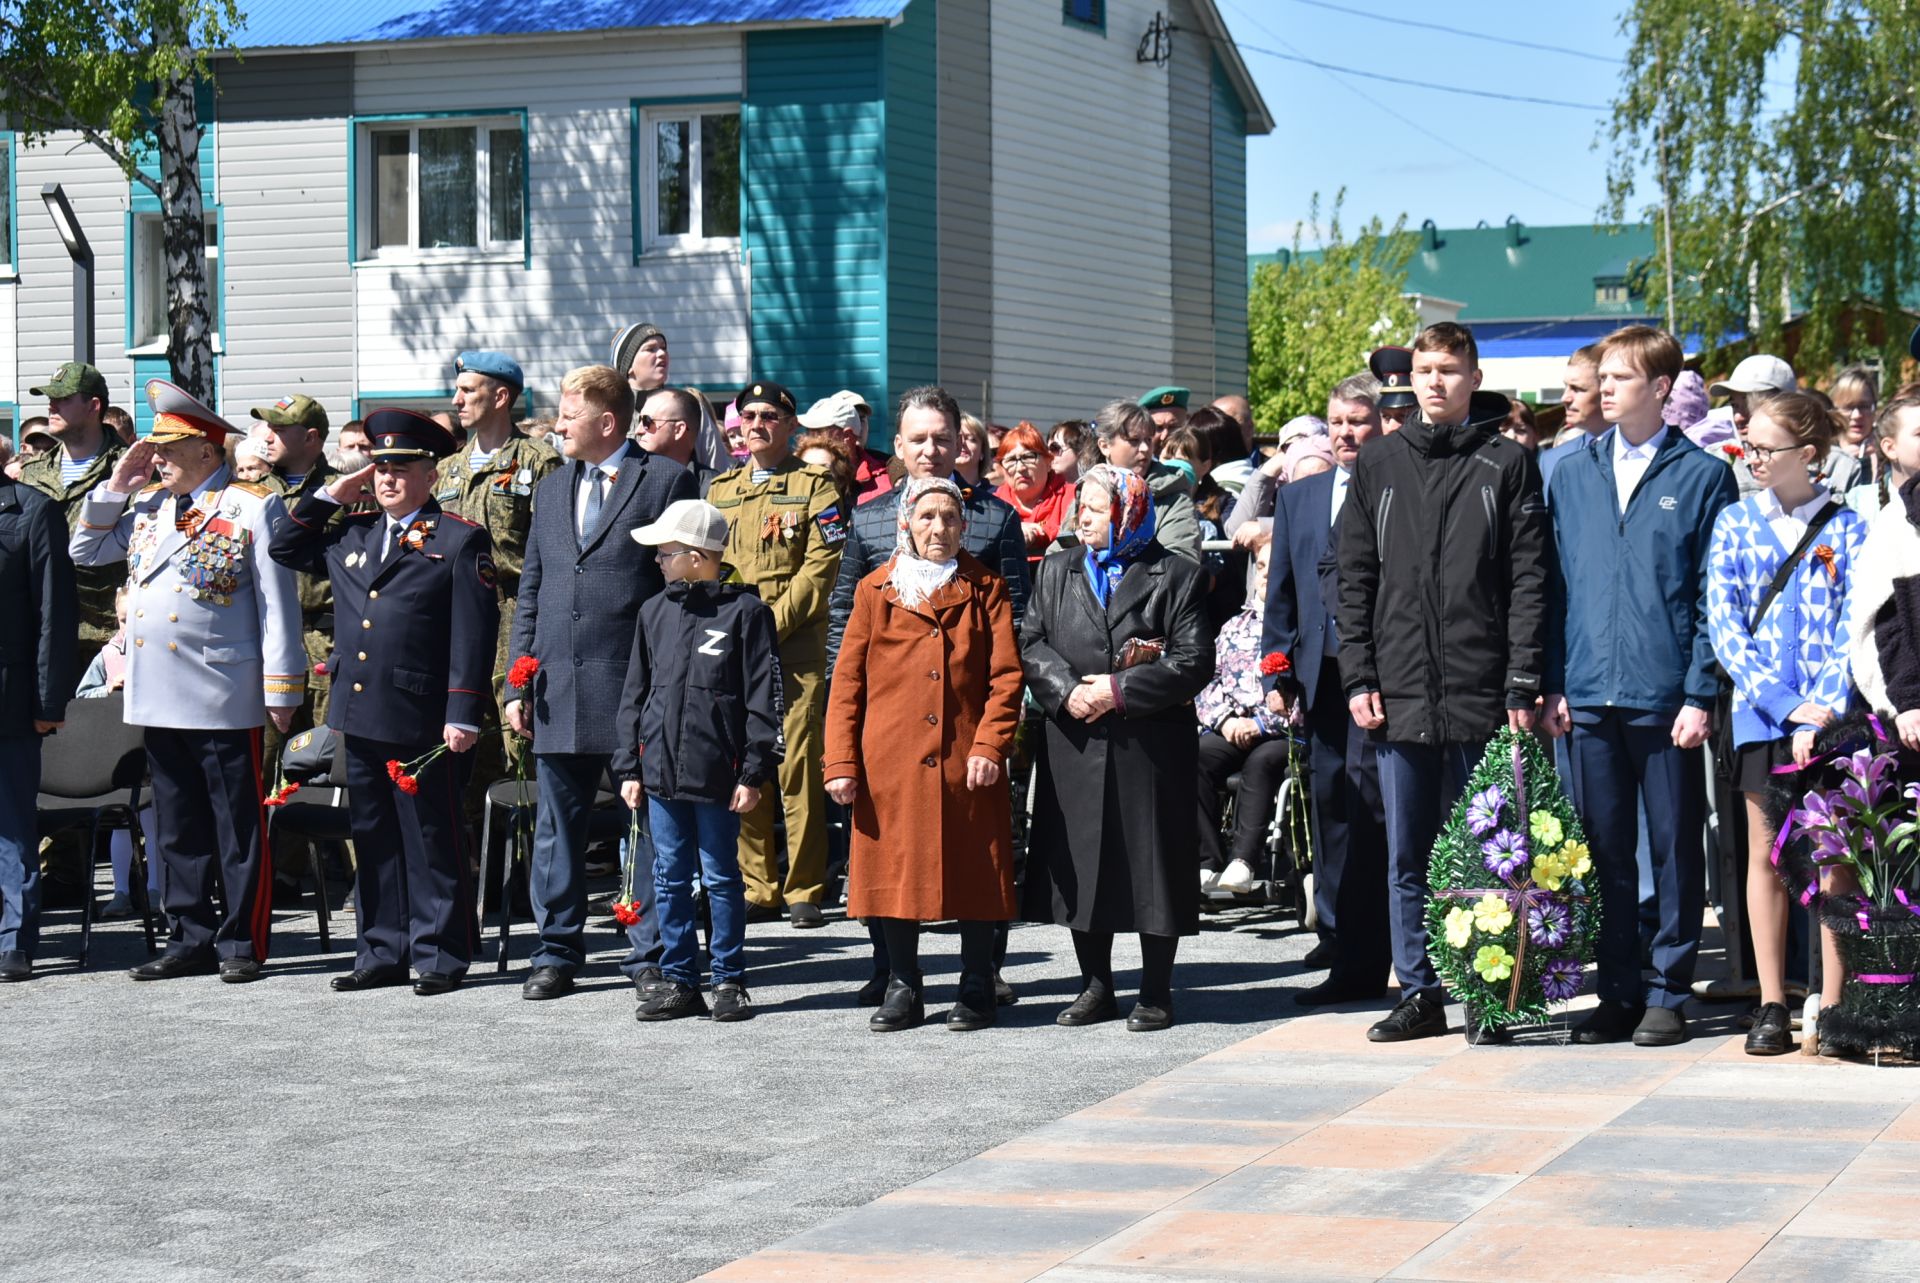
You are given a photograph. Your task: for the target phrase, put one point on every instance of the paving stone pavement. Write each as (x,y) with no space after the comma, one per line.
(192,1130)
(1306,1153)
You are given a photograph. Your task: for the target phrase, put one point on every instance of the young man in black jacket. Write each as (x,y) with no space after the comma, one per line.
(699,733)
(1443,578)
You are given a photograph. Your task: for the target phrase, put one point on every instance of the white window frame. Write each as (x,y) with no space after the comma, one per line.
(693,241)
(147,284)
(488,250)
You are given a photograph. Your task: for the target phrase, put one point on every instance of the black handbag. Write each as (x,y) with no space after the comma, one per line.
(309,755)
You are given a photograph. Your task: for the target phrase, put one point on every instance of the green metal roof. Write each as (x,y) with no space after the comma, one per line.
(1551,272)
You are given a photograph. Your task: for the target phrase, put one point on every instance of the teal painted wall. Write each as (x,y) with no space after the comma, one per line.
(913,263)
(1229,235)
(814,188)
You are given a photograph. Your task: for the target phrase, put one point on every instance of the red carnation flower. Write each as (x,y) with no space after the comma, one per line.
(625,913)
(1275,664)
(320,669)
(395,770)
(280,795)
(408,784)
(1734,451)
(522,672)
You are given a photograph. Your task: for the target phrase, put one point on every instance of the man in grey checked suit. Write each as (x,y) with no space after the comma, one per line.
(580,595)
(215,650)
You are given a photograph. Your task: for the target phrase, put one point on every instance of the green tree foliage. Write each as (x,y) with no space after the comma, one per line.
(1788,129)
(122,73)
(1313,318)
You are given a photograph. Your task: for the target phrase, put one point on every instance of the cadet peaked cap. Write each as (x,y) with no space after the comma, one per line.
(1393,366)
(765,393)
(841,410)
(495,365)
(406,434)
(74,376)
(693,522)
(179,416)
(626,344)
(292,412)
(1165,398)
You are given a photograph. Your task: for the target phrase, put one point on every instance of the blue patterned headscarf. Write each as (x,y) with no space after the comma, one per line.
(1129,530)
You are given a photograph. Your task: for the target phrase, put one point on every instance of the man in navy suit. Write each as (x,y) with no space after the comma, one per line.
(416,619)
(1350,865)
(580,595)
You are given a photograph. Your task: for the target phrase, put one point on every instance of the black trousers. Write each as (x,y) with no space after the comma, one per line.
(207,816)
(413,883)
(1261,768)
(1350,866)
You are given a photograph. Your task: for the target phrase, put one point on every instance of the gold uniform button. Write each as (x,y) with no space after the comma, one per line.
(139,641)
(178,588)
(357,688)
(139,614)
(173,645)
(173,619)
(366,623)
(373,595)
(363,654)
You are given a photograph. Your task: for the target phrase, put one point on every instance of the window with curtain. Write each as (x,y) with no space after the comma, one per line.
(444,188)
(690,162)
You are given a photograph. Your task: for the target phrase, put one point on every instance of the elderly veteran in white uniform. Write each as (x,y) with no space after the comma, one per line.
(215,650)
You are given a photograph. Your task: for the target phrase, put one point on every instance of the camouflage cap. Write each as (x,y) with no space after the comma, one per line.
(292,412)
(74,376)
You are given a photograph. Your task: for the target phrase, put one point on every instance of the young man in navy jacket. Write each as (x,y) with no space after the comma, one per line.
(1630,676)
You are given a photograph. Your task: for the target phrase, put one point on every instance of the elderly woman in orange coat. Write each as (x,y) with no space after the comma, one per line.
(924,705)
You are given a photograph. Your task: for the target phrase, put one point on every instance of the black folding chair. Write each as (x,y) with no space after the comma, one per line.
(91,774)
(516,803)
(318,813)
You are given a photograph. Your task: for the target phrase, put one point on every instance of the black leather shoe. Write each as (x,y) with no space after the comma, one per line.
(872,992)
(1772,1032)
(1417,1016)
(1148,1017)
(431,984)
(171,966)
(1094,1006)
(1003,994)
(1662,1027)
(546,982)
(370,978)
(1608,1022)
(15,966)
(239,971)
(671,1001)
(900,1009)
(1319,957)
(730,1003)
(1331,993)
(805,917)
(974,1006)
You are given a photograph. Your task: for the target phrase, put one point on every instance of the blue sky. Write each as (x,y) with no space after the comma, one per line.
(1328,134)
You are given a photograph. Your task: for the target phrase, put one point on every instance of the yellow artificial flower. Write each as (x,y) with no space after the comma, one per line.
(1493,962)
(1492,914)
(1549,870)
(1576,858)
(1546,829)
(1459,926)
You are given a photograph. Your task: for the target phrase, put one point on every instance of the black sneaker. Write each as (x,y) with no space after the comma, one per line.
(1417,1016)
(646,982)
(1772,1032)
(671,1001)
(730,1002)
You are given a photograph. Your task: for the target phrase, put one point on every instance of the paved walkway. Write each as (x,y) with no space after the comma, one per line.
(1305,1152)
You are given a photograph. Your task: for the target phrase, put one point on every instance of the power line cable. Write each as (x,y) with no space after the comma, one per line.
(1420,84)
(1399,21)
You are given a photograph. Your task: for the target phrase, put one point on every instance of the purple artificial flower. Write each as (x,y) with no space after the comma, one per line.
(1822,817)
(1866,783)
(1506,853)
(1483,812)
(1560,980)
(1549,924)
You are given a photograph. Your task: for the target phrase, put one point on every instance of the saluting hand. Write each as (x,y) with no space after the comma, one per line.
(134,470)
(459,740)
(346,489)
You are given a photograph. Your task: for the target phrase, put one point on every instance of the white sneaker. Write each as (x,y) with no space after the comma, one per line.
(1238,878)
(1209,878)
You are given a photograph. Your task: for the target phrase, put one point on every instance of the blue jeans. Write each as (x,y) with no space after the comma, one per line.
(710,833)
(1419,783)
(20,845)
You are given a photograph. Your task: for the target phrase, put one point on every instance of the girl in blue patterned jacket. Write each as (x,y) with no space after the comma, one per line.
(1789,666)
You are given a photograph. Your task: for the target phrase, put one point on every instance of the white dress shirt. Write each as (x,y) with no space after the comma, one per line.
(1630,462)
(1789,527)
(1341,479)
(609,466)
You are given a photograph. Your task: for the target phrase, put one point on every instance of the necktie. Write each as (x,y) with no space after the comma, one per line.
(596,495)
(394,534)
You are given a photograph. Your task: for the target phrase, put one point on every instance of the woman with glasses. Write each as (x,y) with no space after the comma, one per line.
(1065,444)
(1034,490)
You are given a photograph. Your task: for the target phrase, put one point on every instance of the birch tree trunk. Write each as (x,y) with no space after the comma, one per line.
(183,236)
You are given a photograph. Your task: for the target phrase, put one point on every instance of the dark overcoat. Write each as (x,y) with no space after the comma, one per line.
(1114,846)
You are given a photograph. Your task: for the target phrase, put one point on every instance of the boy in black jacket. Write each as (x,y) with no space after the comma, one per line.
(699,732)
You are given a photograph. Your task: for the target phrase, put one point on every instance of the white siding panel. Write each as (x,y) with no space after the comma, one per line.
(1190,157)
(9,352)
(584,284)
(1081,199)
(98,192)
(288,323)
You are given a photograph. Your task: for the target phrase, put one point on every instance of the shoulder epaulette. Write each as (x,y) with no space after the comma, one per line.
(454,516)
(253,488)
(149,489)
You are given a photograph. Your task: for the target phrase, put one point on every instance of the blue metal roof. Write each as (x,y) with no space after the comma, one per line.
(280,24)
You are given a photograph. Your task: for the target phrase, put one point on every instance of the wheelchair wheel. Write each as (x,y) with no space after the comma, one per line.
(1304,902)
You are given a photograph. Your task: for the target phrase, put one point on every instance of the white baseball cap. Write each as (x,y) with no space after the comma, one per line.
(693,522)
(1760,373)
(841,410)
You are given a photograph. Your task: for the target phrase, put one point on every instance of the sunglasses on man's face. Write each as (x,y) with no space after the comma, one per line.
(650,423)
(760,416)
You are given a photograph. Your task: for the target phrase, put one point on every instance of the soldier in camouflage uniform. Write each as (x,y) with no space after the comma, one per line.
(76,403)
(491,484)
(296,447)
(787,528)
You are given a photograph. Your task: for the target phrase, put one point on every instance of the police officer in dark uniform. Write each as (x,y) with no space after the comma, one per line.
(417,615)
(1393,366)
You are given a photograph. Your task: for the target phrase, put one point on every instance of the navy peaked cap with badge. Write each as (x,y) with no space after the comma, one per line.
(763,392)
(495,365)
(406,434)
(1393,366)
